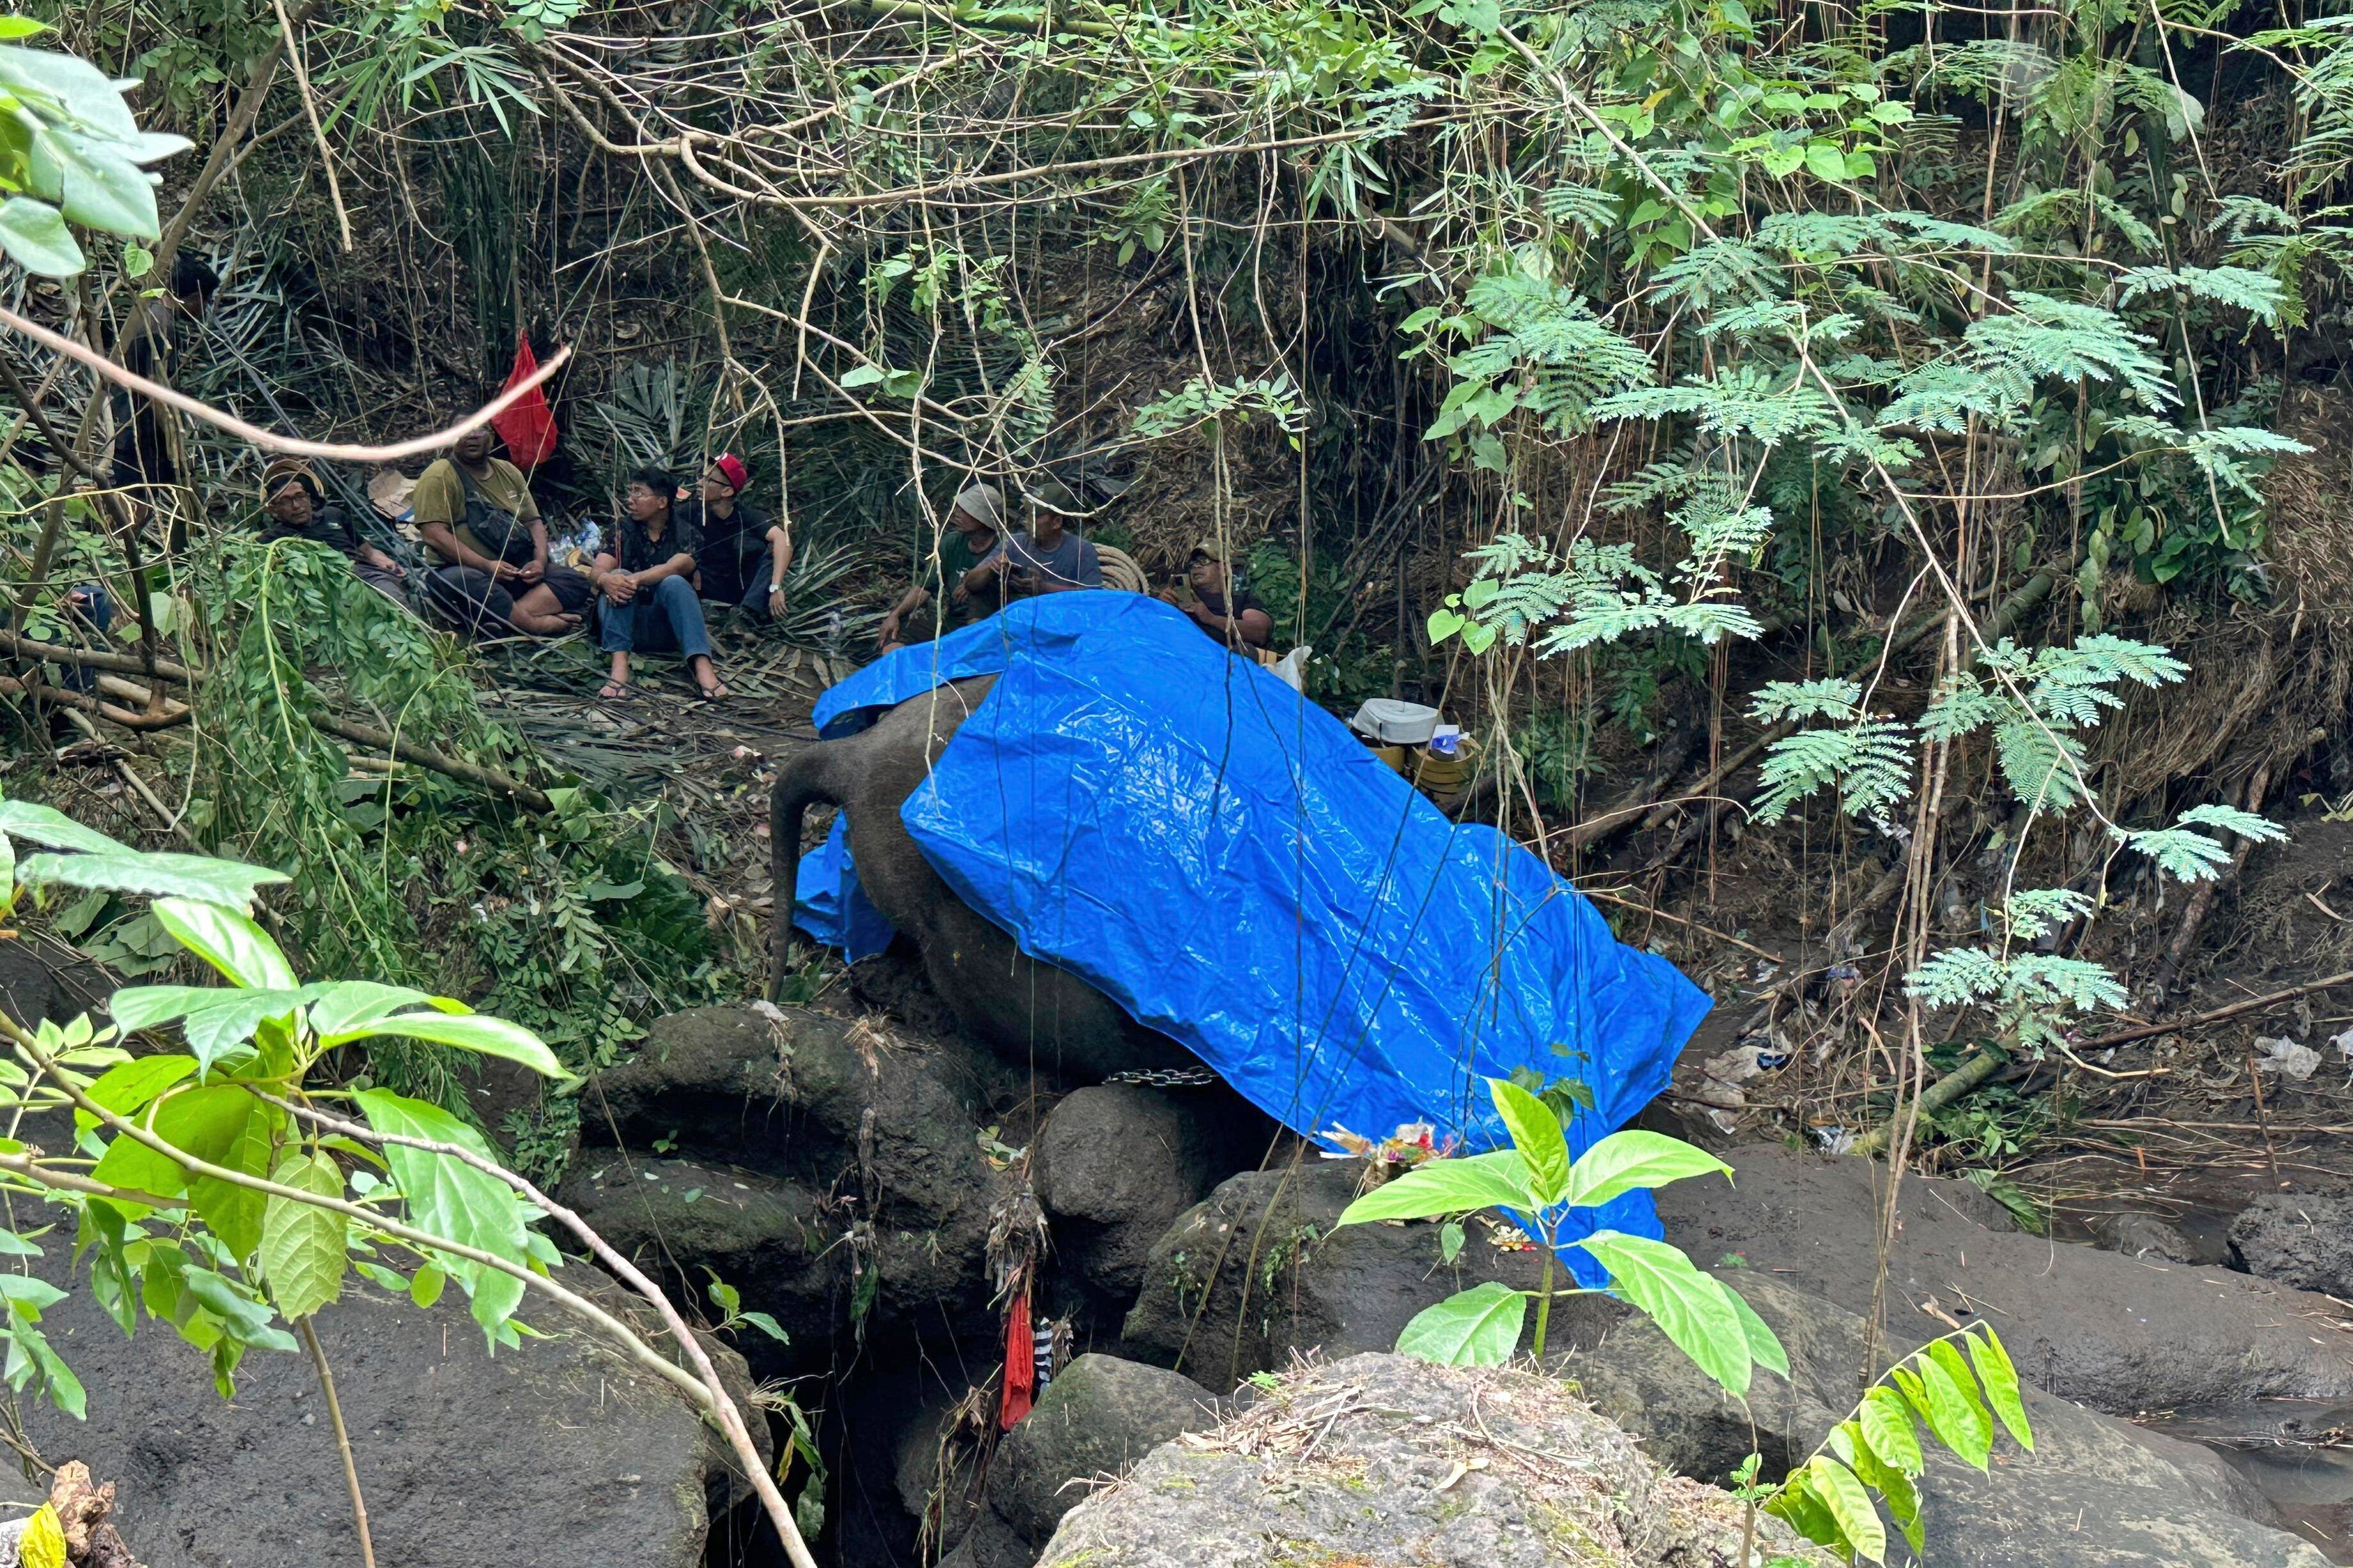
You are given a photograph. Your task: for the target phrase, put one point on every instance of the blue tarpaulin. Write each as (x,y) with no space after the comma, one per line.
(1231,865)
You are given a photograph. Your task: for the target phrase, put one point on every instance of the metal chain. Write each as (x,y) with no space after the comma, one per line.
(1165,1077)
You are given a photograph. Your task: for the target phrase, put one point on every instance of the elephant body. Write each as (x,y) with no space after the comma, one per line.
(1030,1014)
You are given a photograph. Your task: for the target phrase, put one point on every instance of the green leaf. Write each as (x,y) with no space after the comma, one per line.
(127,1086)
(1957,1418)
(245,1320)
(137,260)
(214,1020)
(453,1200)
(234,1211)
(1536,1134)
(1826,162)
(130,871)
(203,1122)
(426,1288)
(21,28)
(1498,1180)
(347,1004)
(767,1325)
(1624,1161)
(2000,1380)
(36,239)
(1478,1327)
(98,185)
(227,941)
(1886,1425)
(473,1032)
(302,1245)
(1764,1345)
(1692,1309)
(1850,1504)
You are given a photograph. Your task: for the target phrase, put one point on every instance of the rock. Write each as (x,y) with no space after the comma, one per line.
(1383,1459)
(462,1456)
(1114,1164)
(41,978)
(2109,1332)
(2156,1500)
(807,1148)
(1257,1271)
(1093,1421)
(1096,1419)
(2145,1235)
(2300,1240)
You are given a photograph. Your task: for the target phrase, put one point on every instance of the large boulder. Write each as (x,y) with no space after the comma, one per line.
(2141,1498)
(559,1447)
(1091,1424)
(1257,1270)
(1116,1163)
(825,1167)
(2300,1240)
(2108,1331)
(1383,1459)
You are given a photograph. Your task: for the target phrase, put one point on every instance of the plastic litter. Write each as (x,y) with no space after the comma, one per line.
(1233,867)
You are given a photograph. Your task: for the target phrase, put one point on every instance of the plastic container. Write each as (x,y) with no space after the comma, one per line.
(1394,723)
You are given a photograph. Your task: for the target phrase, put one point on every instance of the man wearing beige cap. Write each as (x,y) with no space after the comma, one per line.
(976,524)
(1048,558)
(1220,606)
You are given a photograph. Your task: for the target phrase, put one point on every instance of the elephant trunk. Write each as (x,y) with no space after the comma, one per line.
(816,775)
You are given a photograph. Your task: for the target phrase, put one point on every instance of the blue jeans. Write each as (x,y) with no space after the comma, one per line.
(755,593)
(661,619)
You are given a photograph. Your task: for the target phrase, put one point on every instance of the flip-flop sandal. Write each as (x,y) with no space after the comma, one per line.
(717,691)
(614,691)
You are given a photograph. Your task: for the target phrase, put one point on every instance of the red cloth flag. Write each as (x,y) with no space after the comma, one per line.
(1020,1365)
(529,426)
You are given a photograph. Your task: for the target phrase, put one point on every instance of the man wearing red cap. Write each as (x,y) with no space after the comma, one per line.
(744,553)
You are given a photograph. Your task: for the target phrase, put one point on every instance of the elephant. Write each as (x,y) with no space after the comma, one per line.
(1032,1014)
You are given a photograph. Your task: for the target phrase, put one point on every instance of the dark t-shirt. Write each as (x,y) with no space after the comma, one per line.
(328,526)
(733,548)
(1244,601)
(637,553)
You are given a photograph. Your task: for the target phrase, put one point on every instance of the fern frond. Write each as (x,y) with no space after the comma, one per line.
(1870,761)
(1592,212)
(2064,341)
(2035,912)
(1828,698)
(2257,293)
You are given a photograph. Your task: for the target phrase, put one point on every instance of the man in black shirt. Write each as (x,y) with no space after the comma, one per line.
(744,554)
(1220,605)
(645,587)
(298,510)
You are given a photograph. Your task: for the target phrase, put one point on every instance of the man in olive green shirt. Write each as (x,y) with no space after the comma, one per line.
(489,548)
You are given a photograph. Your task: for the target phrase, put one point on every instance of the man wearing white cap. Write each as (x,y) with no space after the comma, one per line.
(975,526)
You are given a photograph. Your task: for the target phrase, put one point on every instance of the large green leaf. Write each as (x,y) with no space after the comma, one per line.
(35,237)
(101,186)
(2000,1379)
(1953,1414)
(234,1211)
(1692,1309)
(348,1005)
(126,1087)
(228,941)
(474,1032)
(47,825)
(81,87)
(1536,1134)
(203,1122)
(453,1200)
(302,1252)
(1496,1180)
(212,1019)
(1478,1327)
(132,871)
(1625,1161)
(1764,1345)
(1850,1504)
(1886,1425)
